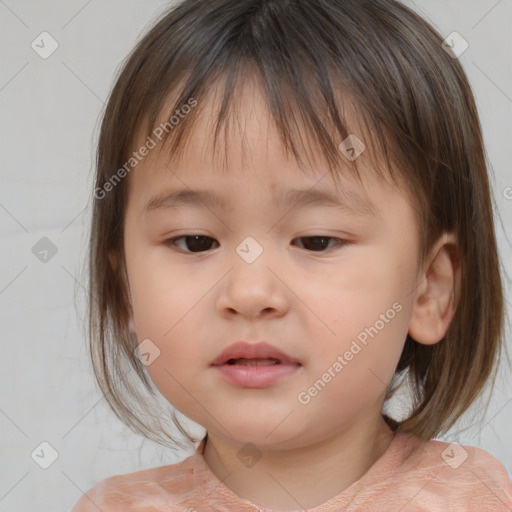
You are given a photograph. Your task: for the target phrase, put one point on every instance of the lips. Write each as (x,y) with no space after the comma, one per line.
(253,354)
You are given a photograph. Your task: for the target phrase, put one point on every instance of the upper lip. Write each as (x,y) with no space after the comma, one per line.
(261,350)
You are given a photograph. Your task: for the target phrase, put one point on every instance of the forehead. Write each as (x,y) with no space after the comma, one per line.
(248,147)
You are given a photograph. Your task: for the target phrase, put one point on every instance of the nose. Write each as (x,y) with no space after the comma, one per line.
(254,288)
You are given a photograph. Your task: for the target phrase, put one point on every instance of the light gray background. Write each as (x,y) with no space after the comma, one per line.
(49,123)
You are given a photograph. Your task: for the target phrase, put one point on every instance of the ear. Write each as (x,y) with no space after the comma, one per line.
(437,295)
(113,258)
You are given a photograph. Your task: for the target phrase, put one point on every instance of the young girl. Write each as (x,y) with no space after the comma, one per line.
(347,242)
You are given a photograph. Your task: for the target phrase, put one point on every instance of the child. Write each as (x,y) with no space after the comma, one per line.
(348,123)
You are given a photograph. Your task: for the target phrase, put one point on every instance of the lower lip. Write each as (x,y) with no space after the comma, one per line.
(256,376)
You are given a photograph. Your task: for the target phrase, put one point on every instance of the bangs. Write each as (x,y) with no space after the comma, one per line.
(313,127)
(317,88)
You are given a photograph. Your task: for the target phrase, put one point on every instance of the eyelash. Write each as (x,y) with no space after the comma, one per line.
(171,241)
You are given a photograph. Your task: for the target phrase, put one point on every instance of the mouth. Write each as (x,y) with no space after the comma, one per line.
(243,353)
(256,372)
(255,365)
(253,362)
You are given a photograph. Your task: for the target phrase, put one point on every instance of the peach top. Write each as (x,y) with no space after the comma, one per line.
(437,477)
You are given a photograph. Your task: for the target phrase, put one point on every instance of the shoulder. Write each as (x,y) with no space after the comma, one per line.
(452,476)
(160,489)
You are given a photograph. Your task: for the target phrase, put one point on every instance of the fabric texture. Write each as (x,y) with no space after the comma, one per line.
(412,475)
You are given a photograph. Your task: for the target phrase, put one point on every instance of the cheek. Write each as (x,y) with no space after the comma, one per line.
(162,308)
(166,307)
(365,311)
(169,317)
(162,295)
(358,292)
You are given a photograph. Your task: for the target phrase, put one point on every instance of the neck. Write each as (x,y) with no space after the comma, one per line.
(281,479)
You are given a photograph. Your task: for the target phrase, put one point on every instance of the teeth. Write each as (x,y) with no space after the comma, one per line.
(253,362)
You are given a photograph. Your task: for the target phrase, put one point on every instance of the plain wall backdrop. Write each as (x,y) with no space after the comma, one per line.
(50,111)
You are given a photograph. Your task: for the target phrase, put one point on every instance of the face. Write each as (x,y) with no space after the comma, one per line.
(329,286)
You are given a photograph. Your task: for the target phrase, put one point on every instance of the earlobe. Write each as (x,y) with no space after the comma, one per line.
(437,295)
(131,323)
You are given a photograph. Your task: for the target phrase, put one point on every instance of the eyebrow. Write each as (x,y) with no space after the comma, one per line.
(348,202)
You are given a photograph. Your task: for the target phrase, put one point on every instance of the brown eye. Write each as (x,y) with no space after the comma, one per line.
(319,242)
(193,243)
(202,243)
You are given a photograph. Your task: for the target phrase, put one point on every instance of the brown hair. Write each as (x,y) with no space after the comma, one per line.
(418,111)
